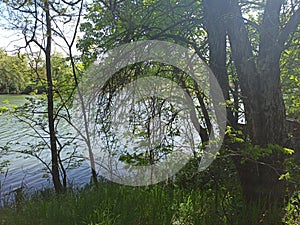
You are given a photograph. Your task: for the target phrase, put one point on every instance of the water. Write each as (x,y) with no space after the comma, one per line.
(29,172)
(24,170)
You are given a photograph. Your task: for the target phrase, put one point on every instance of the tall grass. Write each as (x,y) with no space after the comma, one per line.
(122,205)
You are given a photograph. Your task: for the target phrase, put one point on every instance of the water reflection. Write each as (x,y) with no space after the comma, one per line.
(24,170)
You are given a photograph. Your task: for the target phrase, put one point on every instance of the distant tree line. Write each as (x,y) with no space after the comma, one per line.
(20,75)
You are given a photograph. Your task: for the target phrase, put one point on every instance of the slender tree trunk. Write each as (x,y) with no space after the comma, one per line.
(86,134)
(53,144)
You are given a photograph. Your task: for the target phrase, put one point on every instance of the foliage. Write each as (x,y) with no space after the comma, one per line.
(290,78)
(255,152)
(15,74)
(155,125)
(292,174)
(184,213)
(111,23)
(21,75)
(108,25)
(33,115)
(153,205)
(64,84)
(292,216)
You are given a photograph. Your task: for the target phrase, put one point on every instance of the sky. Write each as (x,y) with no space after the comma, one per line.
(11,40)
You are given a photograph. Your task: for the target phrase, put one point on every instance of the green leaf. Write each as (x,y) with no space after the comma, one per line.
(288,151)
(285,176)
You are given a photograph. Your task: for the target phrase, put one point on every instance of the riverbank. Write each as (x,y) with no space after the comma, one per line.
(152,205)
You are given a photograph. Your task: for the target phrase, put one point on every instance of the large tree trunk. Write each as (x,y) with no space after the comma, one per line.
(265,112)
(216,30)
(272,107)
(259,78)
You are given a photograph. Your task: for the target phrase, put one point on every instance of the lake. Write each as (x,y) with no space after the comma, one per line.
(24,170)
(28,172)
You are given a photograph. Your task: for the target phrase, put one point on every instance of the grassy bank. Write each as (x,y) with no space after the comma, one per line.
(122,205)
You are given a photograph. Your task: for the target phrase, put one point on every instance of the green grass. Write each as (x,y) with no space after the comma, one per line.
(122,205)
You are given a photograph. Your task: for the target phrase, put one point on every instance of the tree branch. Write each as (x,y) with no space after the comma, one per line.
(290,27)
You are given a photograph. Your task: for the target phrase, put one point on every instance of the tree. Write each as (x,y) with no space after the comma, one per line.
(242,41)
(39,22)
(33,115)
(15,73)
(290,75)
(258,73)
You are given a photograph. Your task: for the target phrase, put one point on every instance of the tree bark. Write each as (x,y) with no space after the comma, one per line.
(259,77)
(272,109)
(216,30)
(263,100)
(54,152)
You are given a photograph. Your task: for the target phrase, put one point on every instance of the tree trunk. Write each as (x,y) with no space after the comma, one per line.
(259,78)
(272,109)
(265,112)
(216,30)
(53,145)
(86,135)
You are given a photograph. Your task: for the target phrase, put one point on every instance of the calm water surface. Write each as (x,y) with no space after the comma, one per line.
(23,170)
